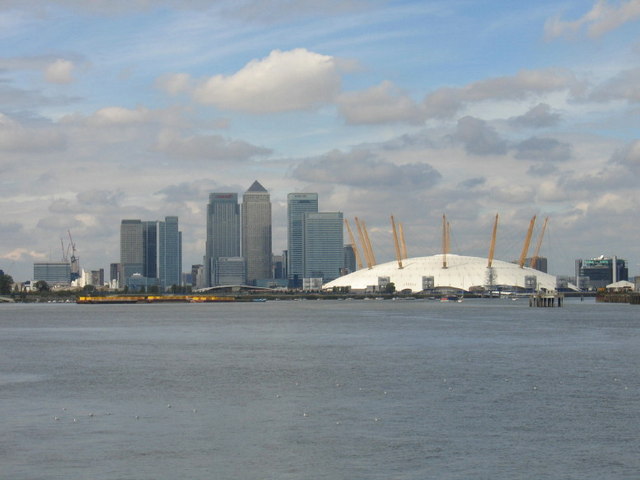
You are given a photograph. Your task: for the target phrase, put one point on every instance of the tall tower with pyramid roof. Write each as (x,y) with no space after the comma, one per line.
(256,233)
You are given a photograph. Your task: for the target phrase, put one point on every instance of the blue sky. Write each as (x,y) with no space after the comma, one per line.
(139,109)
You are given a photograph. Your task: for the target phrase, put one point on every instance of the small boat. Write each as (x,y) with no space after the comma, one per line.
(451,298)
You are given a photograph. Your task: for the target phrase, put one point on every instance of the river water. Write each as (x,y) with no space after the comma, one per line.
(484,389)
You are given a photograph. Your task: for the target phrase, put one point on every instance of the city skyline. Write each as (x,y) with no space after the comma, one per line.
(112,110)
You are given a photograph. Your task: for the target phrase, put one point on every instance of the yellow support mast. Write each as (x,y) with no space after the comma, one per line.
(534,258)
(402,242)
(492,247)
(363,241)
(396,242)
(445,241)
(366,236)
(527,242)
(354,245)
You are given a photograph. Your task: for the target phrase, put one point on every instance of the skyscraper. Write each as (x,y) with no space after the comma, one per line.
(131,249)
(323,245)
(297,205)
(169,257)
(349,259)
(223,231)
(256,233)
(152,249)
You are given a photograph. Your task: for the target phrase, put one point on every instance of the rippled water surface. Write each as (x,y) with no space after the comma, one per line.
(485,389)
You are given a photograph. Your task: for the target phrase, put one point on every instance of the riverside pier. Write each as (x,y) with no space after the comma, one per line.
(546,299)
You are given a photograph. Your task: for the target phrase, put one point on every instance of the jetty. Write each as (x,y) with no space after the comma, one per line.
(630,297)
(546,299)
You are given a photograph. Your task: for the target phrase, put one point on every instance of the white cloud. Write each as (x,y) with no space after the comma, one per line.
(59,71)
(207,147)
(446,101)
(362,168)
(614,203)
(19,254)
(537,117)
(601,19)
(543,149)
(120,115)
(382,103)
(479,138)
(16,137)
(284,81)
(117,117)
(623,86)
(509,193)
(175,83)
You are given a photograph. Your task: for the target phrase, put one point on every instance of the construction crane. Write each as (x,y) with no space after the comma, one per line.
(65,256)
(73,247)
(75,261)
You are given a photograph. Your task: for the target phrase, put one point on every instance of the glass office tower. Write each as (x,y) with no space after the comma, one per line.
(256,233)
(323,245)
(152,249)
(297,205)
(223,231)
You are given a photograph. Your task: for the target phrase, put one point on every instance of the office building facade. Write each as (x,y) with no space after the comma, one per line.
(54,273)
(151,250)
(298,204)
(349,259)
(599,272)
(97,277)
(223,232)
(256,233)
(169,253)
(131,249)
(230,271)
(323,245)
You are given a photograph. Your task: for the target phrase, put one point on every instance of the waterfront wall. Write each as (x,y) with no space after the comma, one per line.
(619,297)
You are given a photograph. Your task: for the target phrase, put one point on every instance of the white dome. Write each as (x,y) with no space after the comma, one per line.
(461,273)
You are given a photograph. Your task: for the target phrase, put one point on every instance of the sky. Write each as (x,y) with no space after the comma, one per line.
(116,109)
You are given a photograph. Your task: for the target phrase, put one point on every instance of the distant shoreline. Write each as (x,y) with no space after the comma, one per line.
(71,297)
